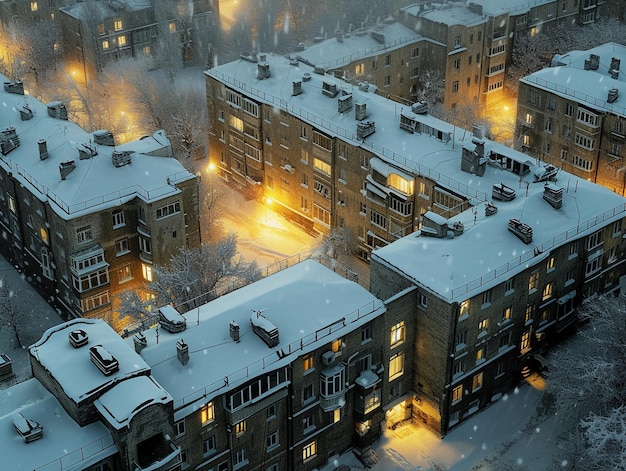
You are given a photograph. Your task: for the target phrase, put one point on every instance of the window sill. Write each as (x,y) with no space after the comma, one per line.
(124,252)
(117,226)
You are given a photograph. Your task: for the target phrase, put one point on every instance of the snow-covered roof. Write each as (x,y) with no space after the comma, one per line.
(568,78)
(64,445)
(487,253)
(109,9)
(309,304)
(95,183)
(358,44)
(72,367)
(451,12)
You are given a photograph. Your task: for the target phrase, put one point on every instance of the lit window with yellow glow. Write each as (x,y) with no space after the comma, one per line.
(396,366)
(236,123)
(457,394)
(121,40)
(309,451)
(525,343)
(34,6)
(477,381)
(105,45)
(480,355)
(44,235)
(322,166)
(172,27)
(336,415)
(207,413)
(117,25)
(464,308)
(507,314)
(397,334)
(533,281)
(100,28)
(401,184)
(240,428)
(307,362)
(147,271)
(336,346)
(547,292)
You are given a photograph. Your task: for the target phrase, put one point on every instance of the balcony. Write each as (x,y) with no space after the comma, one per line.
(333,402)
(171,462)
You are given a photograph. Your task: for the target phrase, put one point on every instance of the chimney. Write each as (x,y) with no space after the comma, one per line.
(339,36)
(9,140)
(234,331)
(120,159)
(86,152)
(56,109)
(263,70)
(360,111)
(103,138)
(66,168)
(297,88)
(593,62)
(612,96)
(140,342)
(14,87)
(615,63)
(43,149)
(364,129)
(182,352)
(344,103)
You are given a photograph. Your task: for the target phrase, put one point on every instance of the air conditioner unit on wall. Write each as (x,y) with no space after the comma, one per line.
(328,357)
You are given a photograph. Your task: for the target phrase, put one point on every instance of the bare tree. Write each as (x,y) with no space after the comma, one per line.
(169,48)
(10,314)
(133,307)
(586,386)
(186,123)
(196,273)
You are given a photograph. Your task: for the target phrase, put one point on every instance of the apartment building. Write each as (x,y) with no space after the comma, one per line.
(388,55)
(282,374)
(572,115)
(97,33)
(86,219)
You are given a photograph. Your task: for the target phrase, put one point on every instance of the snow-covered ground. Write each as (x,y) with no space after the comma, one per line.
(512,434)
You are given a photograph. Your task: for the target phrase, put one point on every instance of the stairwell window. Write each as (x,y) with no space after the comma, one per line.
(309,451)
(207,413)
(398,332)
(168,210)
(396,366)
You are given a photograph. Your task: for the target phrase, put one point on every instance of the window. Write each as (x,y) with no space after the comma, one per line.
(372,401)
(587,117)
(464,308)
(455,86)
(240,458)
(397,334)
(477,381)
(547,292)
(209,446)
(457,393)
(378,219)
(141,214)
(366,333)
(551,105)
(457,41)
(118,219)
(91,280)
(564,155)
(487,296)
(387,80)
(179,428)
(584,142)
(332,382)
(121,246)
(525,342)
(550,264)
(83,234)
(94,302)
(414,72)
(308,393)
(308,423)
(593,241)
(321,215)
(483,325)
(581,163)
(240,428)
(309,451)
(423,300)
(125,274)
(396,366)
(272,441)
(168,210)
(322,141)
(569,109)
(533,281)
(322,166)
(117,25)
(207,413)
(270,413)
(321,188)
(121,40)
(307,362)
(530,311)
(480,355)
(509,285)
(547,127)
(415,52)
(461,339)
(145,245)
(507,314)
(34,6)
(457,64)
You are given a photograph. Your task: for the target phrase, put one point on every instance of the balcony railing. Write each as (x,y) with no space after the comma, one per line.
(333,402)
(172,462)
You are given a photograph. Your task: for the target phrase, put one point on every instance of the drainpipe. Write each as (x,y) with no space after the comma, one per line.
(450,368)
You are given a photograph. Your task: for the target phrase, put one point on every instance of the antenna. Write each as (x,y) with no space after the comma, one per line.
(258,312)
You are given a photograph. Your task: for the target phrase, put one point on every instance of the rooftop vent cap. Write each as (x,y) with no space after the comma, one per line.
(86,151)
(364,129)
(78,338)
(65,168)
(263,70)
(140,341)
(182,352)
(103,138)
(360,111)
(523,231)
(297,88)
(56,109)
(42,144)
(319,70)
(171,320)
(264,328)
(612,96)
(28,429)
(306,77)
(25,112)
(16,87)
(9,140)
(502,192)
(105,362)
